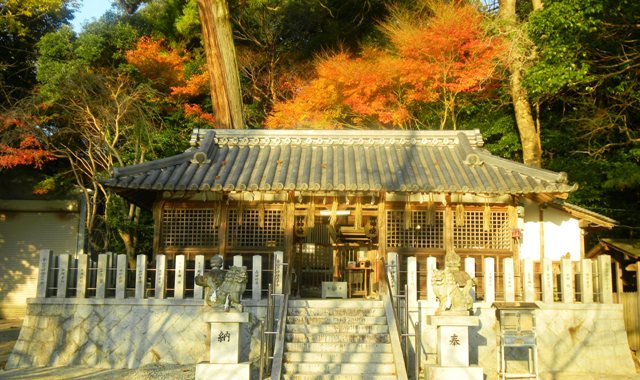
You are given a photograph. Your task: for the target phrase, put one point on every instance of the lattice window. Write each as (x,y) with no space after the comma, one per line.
(420,235)
(249,234)
(188,227)
(475,233)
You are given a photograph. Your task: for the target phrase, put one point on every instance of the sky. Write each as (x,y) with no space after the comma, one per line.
(89,9)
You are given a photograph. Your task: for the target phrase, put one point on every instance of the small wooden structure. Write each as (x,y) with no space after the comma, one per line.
(338,200)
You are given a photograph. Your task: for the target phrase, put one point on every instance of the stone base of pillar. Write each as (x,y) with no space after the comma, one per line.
(236,371)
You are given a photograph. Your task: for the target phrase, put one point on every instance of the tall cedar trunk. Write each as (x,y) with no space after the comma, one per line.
(224,77)
(529,134)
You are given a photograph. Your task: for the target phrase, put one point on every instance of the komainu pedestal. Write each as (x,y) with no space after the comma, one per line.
(453,347)
(224,354)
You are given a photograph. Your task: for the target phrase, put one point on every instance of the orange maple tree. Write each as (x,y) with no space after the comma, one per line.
(165,67)
(430,60)
(19,146)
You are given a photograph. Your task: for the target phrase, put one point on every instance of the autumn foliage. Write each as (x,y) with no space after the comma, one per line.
(166,68)
(433,60)
(19,147)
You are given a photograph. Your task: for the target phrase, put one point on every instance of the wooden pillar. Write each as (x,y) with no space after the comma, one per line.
(619,284)
(222,231)
(382,227)
(513,222)
(157,225)
(448,228)
(289,240)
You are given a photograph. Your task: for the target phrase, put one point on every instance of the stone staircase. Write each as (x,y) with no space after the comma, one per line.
(338,340)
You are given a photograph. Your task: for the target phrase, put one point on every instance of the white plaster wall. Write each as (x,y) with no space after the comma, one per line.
(22,234)
(561,234)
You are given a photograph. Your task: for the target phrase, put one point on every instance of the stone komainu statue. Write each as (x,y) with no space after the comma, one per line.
(451,286)
(223,288)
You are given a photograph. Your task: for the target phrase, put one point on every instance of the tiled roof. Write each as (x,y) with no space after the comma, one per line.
(338,160)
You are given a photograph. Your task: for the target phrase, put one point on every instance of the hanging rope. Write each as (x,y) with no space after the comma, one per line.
(334,213)
(486,218)
(311,213)
(460,212)
(217,213)
(241,210)
(431,211)
(261,212)
(408,215)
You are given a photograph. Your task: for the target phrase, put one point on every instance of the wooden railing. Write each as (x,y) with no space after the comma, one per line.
(564,281)
(111,277)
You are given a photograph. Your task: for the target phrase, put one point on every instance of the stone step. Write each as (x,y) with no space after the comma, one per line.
(337,347)
(336,312)
(338,357)
(337,329)
(330,319)
(336,338)
(339,368)
(368,376)
(336,304)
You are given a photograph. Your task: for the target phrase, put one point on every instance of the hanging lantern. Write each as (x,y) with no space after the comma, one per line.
(300,229)
(371,229)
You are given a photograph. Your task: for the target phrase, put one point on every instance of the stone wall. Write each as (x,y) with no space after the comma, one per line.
(573,340)
(120,333)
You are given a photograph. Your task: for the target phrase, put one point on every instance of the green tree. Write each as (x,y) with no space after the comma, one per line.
(22,24)
(588,80)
